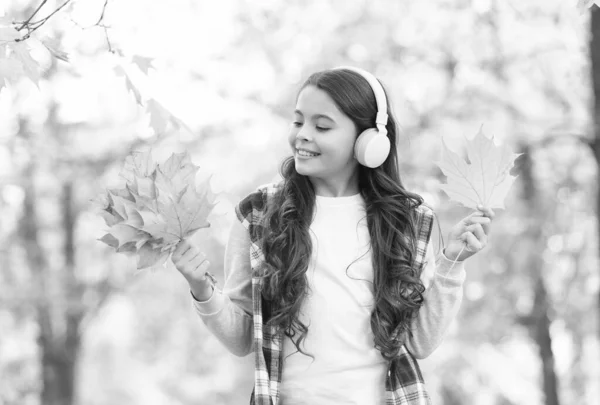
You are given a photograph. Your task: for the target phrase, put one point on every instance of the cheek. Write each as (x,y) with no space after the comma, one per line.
(292,136)
(349,141)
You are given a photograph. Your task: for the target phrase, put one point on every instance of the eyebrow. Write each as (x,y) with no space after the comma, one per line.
(316,116)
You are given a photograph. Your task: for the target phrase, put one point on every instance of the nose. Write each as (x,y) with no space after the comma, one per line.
(303,134)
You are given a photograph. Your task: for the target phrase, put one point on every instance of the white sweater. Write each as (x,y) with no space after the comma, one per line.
(337,309)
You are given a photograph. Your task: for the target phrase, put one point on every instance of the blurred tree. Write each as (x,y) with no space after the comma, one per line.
(61,297)
(57,292)
(595,75)
(538,320)
(57,182)
(518,272)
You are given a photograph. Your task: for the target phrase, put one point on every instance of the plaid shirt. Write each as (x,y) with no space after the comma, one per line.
(404,382)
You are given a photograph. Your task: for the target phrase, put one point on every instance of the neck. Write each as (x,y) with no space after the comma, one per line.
(336,187)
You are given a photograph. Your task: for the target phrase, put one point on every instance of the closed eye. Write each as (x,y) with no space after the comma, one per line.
(297,124)
(322,129)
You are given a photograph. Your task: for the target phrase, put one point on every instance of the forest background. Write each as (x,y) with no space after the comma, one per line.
(85,82)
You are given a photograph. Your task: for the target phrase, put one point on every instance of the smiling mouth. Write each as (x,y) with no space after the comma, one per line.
(305,153)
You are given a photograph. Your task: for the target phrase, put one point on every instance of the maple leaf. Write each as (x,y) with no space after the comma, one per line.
(11,70)
(159,206)
(159,116)
(53,46)
(138,164)
(485,179)
(31,67)
(142,63)
(129,84)
(19,61)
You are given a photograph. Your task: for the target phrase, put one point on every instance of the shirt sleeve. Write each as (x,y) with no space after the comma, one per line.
(444,281)
(228,313)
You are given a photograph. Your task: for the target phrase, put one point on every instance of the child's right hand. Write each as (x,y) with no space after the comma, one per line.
(192,264)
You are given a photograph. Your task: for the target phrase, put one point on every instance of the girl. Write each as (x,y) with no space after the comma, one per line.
(326,271)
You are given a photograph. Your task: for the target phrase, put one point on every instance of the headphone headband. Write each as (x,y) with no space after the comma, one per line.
(382,116)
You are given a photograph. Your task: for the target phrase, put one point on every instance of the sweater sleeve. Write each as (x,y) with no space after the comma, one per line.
(442,298)
(228,313)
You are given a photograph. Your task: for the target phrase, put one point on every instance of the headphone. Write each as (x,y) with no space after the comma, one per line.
(372,146)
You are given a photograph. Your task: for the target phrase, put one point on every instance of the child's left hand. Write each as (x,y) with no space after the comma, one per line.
(472,231)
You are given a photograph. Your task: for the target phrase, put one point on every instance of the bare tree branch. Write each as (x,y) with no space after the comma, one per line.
(99,24)
(33,26)
(43,20)
(107,40)
(32,15)
(103,11)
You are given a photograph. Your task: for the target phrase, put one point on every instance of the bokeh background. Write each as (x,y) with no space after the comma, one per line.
(79,324)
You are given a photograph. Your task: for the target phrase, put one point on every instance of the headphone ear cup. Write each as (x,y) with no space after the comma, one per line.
(371,148)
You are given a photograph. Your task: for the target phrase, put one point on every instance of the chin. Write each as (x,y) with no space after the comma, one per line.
(301,168)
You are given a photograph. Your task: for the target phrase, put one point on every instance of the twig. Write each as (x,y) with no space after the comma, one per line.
(98,24)
(32,15)
(43,20)
(107,39)
(102,15)
(32,26)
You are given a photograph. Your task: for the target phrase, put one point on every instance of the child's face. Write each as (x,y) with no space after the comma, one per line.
(325,134)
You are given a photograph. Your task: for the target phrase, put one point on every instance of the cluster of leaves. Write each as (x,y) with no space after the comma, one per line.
(485,179)
(16,62)
(159,206)
(15,55)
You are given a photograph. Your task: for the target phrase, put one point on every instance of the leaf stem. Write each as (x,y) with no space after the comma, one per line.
(456,259)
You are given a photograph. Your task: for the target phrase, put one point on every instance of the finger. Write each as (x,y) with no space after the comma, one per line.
(190,254)
(477,230)
(192,265)
(202,269)
(195,271)
(473,244)
(467,220)
(182,247)
(199,258)
(488,212)
(484,221)
(475,214)
(479,220)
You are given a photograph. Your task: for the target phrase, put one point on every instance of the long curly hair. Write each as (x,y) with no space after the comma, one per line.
(391,219)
